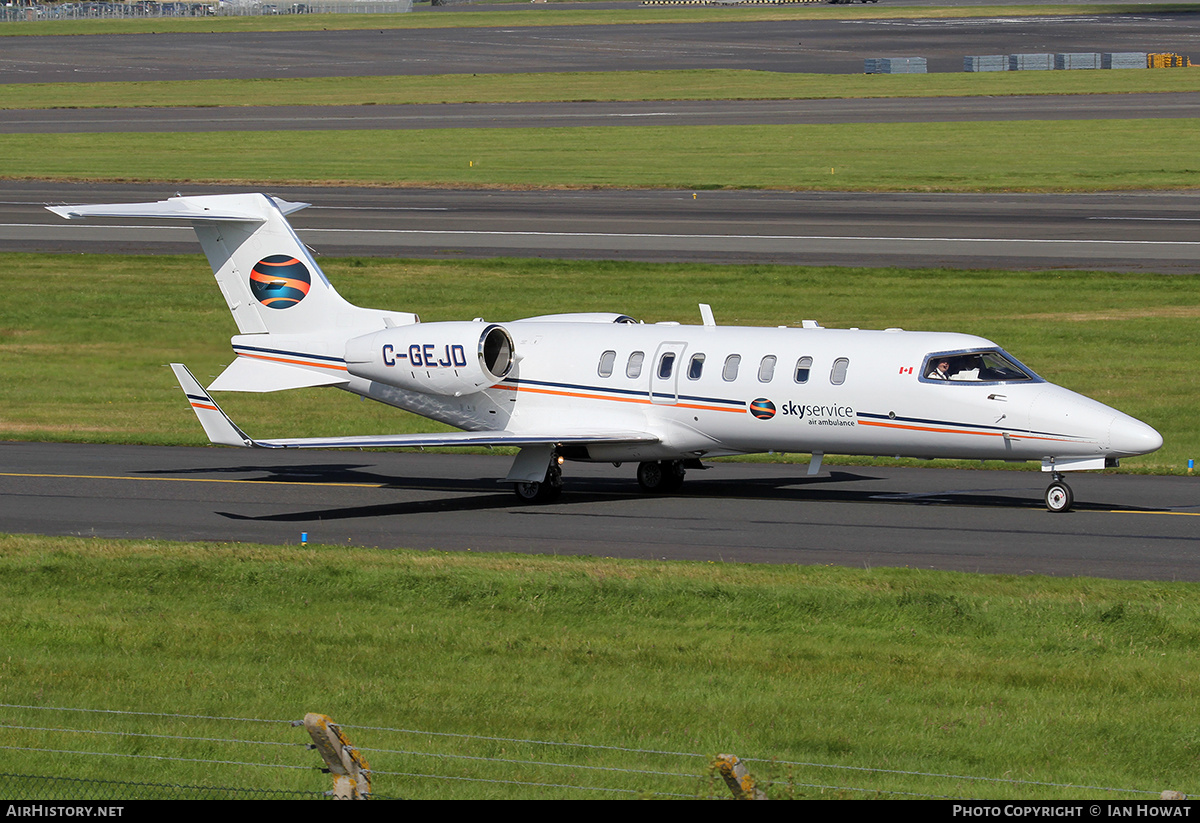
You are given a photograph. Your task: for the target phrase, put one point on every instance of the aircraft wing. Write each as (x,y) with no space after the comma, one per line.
(223,431)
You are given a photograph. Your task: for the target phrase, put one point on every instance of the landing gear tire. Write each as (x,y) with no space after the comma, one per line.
(1059,497)
(661,477)
(546,491)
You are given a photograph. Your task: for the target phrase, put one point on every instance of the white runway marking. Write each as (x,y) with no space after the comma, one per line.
(655,236)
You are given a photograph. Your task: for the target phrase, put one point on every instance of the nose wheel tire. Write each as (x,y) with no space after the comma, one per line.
(660,477)
(1059,497)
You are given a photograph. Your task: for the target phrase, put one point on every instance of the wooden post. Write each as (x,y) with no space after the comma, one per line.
(737,778)
(351,774)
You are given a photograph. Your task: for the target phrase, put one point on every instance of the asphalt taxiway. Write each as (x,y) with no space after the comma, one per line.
(1159,106)
(1124,526)
(1131,231)
(819,46)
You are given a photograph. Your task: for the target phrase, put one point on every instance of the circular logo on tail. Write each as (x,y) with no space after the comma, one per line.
(762,408)
(279,281)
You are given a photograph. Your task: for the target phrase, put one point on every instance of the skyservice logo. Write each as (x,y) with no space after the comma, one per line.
(762,408)
(279,281)
(814,415)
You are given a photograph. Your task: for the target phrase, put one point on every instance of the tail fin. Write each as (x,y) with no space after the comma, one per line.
(270,281)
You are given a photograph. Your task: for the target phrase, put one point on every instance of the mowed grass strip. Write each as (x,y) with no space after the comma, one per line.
(584,86)
(1007,156)
(1080,682)
(84,338)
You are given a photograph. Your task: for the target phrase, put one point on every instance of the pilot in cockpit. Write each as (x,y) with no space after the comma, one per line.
(940,370)
(974,367)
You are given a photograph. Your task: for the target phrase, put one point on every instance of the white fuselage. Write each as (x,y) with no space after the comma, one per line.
(862,393)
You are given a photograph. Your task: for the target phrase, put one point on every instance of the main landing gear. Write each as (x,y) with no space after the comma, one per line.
(1059,497)
(661,477)
(545,491)
(654,477)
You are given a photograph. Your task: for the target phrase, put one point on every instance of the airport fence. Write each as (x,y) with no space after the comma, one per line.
(150,9)
(99,755)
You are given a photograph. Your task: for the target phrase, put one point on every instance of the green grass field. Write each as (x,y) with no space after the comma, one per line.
(1084,683)
(1020,156)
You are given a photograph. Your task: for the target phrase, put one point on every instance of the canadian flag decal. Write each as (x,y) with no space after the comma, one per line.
(906,369)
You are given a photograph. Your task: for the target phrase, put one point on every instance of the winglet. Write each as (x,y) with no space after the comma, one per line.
(217,425)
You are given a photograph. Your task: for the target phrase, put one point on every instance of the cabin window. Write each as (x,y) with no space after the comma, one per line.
(729,373)
(766,369)
(666,365)
(975,367)
(696,367)
(634,367)
(803,367)
(606,363)
(837,376)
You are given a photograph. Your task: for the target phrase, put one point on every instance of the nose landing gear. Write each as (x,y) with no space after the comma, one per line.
(1059,497)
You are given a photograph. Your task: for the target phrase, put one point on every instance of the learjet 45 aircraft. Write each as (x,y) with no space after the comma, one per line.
(604,388)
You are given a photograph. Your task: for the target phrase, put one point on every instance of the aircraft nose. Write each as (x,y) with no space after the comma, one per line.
(1128,436)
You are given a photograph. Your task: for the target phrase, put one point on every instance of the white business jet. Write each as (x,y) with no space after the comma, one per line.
(604,388)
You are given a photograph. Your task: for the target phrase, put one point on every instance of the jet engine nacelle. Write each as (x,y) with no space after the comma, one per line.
(434,358)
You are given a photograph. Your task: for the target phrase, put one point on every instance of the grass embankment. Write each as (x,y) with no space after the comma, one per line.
(700,84)
(1101,155)
(1080,682)
(517,16)
(84,338)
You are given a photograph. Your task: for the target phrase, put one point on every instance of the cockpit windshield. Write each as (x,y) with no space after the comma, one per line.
(990,366)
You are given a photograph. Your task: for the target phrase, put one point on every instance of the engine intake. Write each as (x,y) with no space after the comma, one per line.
(434,358)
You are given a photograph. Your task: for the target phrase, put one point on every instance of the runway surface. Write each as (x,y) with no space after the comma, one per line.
(979,521)
(821,46)
(1164,106)
(1150,231)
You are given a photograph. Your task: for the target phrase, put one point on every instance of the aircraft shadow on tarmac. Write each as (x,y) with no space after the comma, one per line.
(476,494)
(315,472)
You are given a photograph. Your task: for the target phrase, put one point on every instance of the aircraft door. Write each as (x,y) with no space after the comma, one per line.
(664,374)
